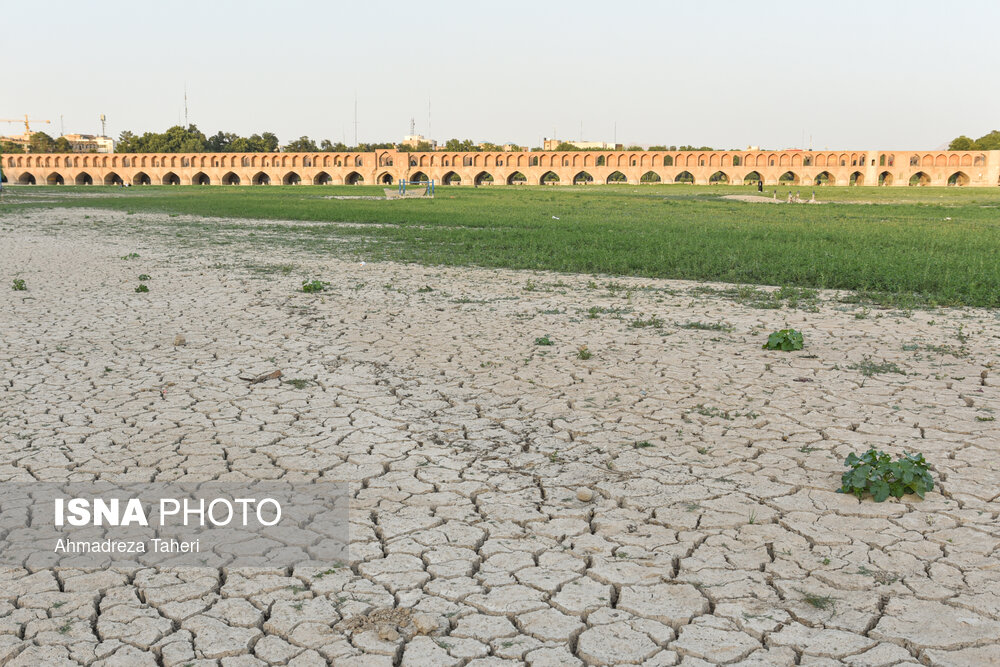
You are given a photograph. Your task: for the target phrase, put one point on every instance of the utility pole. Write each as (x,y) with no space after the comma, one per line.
(355,118)
(102,126)
(186,124)
(61,129)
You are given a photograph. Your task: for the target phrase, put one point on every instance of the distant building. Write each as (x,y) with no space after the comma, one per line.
(553,144)
(81,143)
(414,140)
(89,143)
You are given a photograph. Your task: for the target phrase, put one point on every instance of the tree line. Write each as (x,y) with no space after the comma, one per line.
(39,143)
(987,142)
(190,139)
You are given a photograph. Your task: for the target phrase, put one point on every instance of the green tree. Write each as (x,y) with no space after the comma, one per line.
(63,146)
(989,142)
(42,143)
(301,145)
(10,147)
(328,147)
(464,145)
(962,143)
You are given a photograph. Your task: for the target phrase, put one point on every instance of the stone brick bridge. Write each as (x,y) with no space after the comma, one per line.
(784,168)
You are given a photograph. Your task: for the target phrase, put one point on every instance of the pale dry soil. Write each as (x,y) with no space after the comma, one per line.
(668,501)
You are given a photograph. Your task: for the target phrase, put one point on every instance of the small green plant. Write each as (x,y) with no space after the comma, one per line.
(640,323)
(786,340)
(869,368)
(644,444)
(19,285)
(706,326)
(875,472)
(543,340)
(818,601)
(144,276)
(131,255)
(312,286)
(583,353)
(425,289)
(298,383)
(142,288)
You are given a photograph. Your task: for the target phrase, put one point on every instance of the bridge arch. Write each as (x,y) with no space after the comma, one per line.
(291,178)
(616,177)
(322,178)
(113,179)
(752,178)
(260,178)
(141,178)
(26,179)
(418,177)
(354,178)
(230,178)
(170,178)
(959,178)
(55,178)
(788,178)
(451,178)
(885,178)
(201,178)
(719,177)
(583,178)
(920,179)
(483,178)
(517,178)
(824,178)
(650,177)
(684,177)
(857,178)
(83,178)
(385,178)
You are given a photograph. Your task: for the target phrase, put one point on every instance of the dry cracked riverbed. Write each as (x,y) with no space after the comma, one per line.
(669,500)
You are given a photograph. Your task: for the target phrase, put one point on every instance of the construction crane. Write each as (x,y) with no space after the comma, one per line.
(27,127)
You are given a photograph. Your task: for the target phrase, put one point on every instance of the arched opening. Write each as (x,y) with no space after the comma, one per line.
(737,161)
(583,178)
(419,177)
(517,178)
(170,178)
(885,178)
(260,178)
(141,179)
(752,178)
(650,177)
(616,177)
(230,179)
(113,179)
(684,177)
(718,178)
(857,178)
(824,178)
(322,178)
(451,178)
(55,179)
(958,178)
(25,179)
(549,178)
(201,178)
(788,178)
(920,179)
(83,178)
(354,178)
(291,178)
(3,177)
(601,160)
(385,179)
(482,178)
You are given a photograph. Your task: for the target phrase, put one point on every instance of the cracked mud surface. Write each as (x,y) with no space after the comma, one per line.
(669,500)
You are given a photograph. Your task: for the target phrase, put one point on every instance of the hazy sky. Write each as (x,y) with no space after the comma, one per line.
(851,74)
